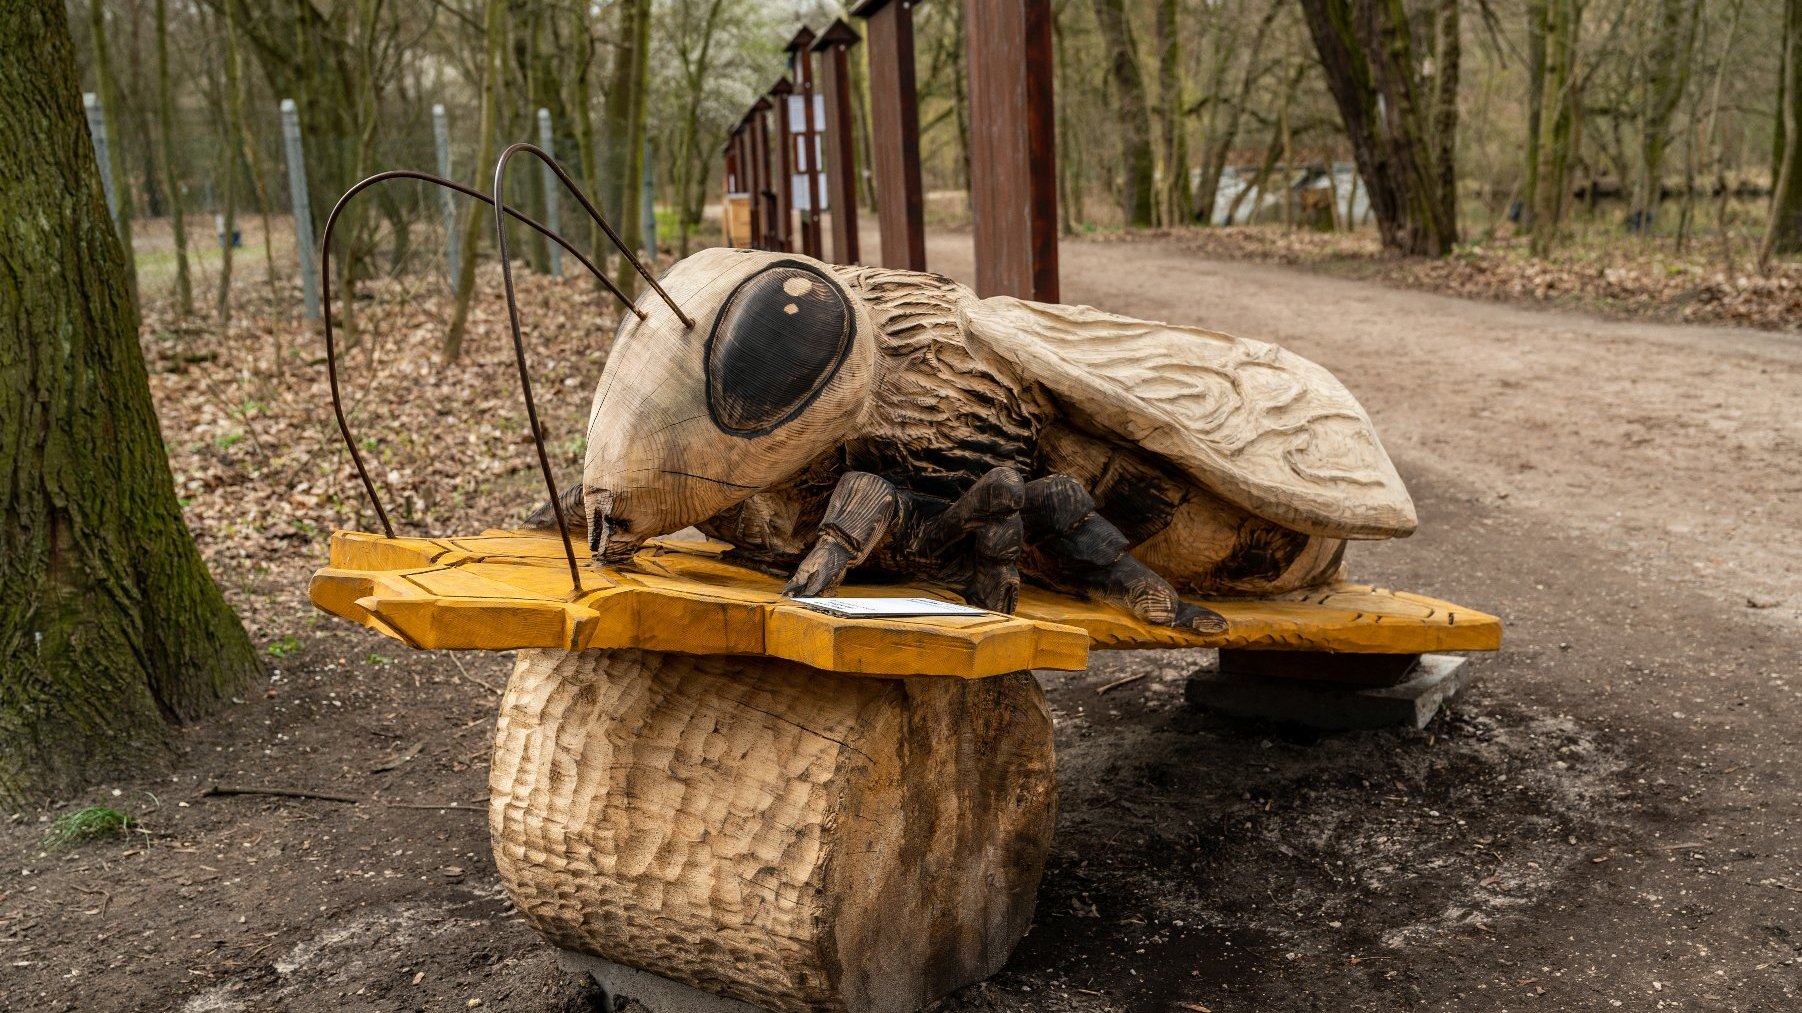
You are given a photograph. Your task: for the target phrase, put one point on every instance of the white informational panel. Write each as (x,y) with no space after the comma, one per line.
(797,128)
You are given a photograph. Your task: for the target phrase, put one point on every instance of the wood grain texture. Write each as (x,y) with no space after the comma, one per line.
(507,590)
(1259,426)
(1231,467)
(765,831)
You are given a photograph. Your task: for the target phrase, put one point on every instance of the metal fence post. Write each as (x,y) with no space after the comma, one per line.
(453,238)
(647,210)
(97,130)
(303,210)
(550,189)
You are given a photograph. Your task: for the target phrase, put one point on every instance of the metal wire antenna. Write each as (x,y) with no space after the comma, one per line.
(502,211)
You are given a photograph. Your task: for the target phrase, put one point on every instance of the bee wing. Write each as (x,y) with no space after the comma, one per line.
(1259,426)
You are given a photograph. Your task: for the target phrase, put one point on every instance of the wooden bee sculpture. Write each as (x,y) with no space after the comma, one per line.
(825,418)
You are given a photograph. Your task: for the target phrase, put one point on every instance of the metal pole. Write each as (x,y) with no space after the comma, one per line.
(550,189)
(453,237)
(97,130)
(303,212)
(647,209)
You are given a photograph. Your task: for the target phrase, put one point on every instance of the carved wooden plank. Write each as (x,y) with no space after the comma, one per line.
(834,46)
(682,596)
(1013,150)
(769,832)
(895,131)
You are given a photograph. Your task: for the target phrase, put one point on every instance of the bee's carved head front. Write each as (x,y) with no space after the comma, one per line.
(689,421)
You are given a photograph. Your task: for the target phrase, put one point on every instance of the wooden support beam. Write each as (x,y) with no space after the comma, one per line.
(747,176)
(834,46)
(766,193)
(784,232)
(731,187)
(895,131)
(800,65)
(1013,148)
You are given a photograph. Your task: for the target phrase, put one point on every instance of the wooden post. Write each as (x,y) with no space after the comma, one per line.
(834,46)
(800,65)
(760,173)
(304,250)
(1013,148)
(895,131)
(733,239)
(747,176)
(783,235)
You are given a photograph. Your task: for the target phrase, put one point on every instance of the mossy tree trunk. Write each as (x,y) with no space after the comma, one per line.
(1401,121)
(1138,164)
(111,628)
(1784,234)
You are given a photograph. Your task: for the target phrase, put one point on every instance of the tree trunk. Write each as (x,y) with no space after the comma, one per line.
(165,109)
(1138,165)
(625,129)
(1557,122)
(1366,50)
(1529,188)
(110,626)
(1784,234)
(1666,79)
(1223,134)
(582,125)
(115,151)
(1178,198)
(476,215)
(228,165)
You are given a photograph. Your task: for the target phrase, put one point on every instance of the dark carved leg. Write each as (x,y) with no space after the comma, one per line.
(1087,552)
(988,517)
(858,515)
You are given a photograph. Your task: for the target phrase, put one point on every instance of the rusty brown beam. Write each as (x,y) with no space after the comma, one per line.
(784,232)
(800,60)
(1013,147)
(895,131)
(834,48)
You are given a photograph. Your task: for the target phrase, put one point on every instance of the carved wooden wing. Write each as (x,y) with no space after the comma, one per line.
(1257,425)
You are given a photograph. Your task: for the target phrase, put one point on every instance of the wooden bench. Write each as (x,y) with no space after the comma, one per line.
(699,778)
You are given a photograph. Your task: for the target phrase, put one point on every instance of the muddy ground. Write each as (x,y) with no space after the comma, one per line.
(1609,820)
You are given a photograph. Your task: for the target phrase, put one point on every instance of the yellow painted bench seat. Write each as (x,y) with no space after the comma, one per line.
(506,590)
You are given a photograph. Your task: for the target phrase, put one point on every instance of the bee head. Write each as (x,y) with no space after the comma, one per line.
(689,421)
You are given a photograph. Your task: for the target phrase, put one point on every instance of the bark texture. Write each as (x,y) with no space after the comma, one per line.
(110,626)
(1137,165)
(836,845)
(1785,231)
(1393,111)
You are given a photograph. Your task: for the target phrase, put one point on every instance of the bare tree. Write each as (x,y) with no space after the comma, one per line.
(1138,166)
(1784,233)
(1401,127)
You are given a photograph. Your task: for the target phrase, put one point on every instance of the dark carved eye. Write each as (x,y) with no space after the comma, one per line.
(780,337)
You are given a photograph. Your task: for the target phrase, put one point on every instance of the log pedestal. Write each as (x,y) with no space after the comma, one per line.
(797,839)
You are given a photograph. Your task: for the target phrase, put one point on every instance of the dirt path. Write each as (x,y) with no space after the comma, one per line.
(1672,444)
(1613,819)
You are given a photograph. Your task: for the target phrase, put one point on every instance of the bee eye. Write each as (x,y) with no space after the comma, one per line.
(776,343)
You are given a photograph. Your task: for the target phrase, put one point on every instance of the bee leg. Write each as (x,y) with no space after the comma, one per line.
(1084,550)
(988,514)
(858,515)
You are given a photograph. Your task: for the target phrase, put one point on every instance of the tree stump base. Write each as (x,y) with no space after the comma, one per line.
(769,832)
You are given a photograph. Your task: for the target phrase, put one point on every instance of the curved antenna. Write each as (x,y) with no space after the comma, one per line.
(519,344)
(599,219)
(331,352)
